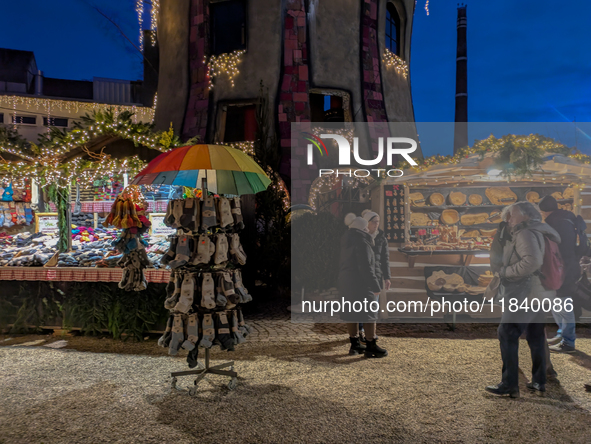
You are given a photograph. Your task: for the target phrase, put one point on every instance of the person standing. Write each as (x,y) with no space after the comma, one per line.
(382,255)
(523,256)
(358,283)
(564,222)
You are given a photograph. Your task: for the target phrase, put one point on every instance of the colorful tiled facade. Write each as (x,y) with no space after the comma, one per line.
(374,106)
(196,115)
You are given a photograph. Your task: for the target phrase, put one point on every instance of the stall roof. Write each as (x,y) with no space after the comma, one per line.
(556,168)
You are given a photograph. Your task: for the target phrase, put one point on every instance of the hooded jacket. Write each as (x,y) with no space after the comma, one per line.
(564,223)
(523,255)
(357,274)
(382,255)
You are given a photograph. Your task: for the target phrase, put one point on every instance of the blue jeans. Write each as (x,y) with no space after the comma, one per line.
(566,326)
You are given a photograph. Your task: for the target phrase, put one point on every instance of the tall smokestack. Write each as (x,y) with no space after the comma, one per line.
(461,125)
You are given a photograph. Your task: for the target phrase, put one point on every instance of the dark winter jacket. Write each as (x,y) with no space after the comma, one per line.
(357,278)
(564,223)
(382,255)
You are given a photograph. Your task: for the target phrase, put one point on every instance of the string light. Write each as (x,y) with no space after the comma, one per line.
(139,8)
(427,7)
(392,60)
(348,134)
(154,20)
(141,113)
(224,64)
(330,181)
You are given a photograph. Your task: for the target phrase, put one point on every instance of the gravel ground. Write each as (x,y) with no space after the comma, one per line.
(430,389)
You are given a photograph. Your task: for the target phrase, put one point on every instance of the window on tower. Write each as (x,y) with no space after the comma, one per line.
(228,26)
(237,122)
(329,105)
(392,29)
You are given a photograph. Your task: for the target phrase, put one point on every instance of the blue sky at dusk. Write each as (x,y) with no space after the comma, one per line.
(528,61)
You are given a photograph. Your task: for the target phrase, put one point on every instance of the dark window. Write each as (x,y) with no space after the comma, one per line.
(28,120)
(228,26)
(326,108)
(1,118)
(241,124)
(392,29)
(55,121)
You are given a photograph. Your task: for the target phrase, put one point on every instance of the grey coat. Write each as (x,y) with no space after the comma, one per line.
(523,256)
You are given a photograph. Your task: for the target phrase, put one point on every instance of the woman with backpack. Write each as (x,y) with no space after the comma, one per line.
(522,259)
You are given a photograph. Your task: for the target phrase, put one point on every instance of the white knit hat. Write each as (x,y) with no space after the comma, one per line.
(369,215)
(359,223)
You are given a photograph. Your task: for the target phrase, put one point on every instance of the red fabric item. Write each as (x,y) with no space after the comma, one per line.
(552,269)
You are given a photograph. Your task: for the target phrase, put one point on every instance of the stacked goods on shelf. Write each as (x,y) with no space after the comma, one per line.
(15,205)
(472,218)
(205,289)
(394,211)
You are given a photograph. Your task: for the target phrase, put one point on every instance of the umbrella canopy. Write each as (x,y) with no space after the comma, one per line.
(228,170)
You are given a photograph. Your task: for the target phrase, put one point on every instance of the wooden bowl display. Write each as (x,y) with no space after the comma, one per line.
(417,199)
(557,195)
(471,233)
(475,199)
(449,217)
(473,219)
(501,195)
(532,197)
(419,219)
(569,193)
(457,198)
(436,199)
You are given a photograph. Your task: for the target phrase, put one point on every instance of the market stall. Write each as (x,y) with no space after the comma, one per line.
(447,215)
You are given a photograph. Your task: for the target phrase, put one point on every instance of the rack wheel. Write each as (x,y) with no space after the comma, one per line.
(173,383)
(232,383)
(192,391)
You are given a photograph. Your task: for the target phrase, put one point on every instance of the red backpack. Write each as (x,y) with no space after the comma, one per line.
(552,271)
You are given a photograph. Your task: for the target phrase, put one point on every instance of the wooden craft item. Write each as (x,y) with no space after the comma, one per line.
(475,199)
(436,199)
(501,195)
(472,233)
(557,195)
(419,219)
(417,199)
(473,219)
(449,217)
(532,197)
(569,193)
(488,233)
(495,218)
(457,198)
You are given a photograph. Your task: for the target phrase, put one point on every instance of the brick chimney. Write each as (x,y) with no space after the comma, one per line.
(461,119)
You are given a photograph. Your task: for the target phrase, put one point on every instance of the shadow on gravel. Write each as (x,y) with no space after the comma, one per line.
(271,413)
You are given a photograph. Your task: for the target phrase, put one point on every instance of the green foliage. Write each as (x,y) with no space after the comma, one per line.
(315,250)
(60,198)
(96,308)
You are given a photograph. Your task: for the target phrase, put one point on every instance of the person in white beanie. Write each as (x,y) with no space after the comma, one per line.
(358,284)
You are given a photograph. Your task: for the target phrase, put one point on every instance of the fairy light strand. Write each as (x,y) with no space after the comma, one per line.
(392,60)
(223,64)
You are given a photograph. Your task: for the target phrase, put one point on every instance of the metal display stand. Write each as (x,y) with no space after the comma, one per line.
(202,372)
(216,369)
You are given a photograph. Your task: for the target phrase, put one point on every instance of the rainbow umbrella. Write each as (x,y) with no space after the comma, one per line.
(227,170)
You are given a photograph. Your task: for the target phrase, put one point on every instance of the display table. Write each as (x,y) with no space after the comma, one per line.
(466,255)
(74,274)
(154,206)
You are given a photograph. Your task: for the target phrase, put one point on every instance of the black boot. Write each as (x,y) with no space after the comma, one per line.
(362,336)
(356,347)
(374,351)
(501,389)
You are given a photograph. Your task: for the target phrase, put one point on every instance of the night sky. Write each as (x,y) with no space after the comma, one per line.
(528,61)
